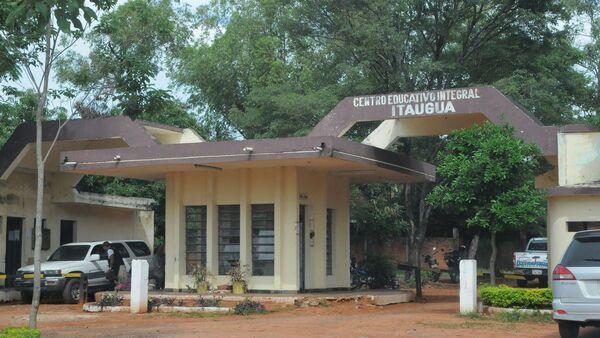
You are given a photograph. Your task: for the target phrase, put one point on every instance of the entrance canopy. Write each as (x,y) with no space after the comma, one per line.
(334,155)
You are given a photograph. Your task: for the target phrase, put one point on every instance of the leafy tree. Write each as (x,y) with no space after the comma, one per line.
(16,107)
(488,175)
(35,21)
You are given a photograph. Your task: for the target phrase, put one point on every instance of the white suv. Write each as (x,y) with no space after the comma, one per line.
(576,285)
(60,274)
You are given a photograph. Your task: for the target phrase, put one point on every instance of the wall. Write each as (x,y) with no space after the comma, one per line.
(560,211)
(286,188)
(92,222)
(578,158)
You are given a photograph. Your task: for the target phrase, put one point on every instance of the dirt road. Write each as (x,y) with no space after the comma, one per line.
(436,316)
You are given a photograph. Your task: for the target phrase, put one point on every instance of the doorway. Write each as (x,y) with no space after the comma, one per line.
(67,231)
(14,241)
(301,245)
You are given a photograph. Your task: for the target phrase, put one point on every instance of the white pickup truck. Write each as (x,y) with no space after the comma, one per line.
(533,263)
(60,274)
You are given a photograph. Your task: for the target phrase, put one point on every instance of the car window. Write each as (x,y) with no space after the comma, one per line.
(122,250)
(583,252)
(538,246)
(100,251)
(69,253)
(139,248)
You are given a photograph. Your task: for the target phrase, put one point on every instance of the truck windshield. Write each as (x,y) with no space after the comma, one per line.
(538,246)
(583,252)
(69,253)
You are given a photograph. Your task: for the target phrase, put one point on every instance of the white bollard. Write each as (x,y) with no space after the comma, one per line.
(468,286)
(139,286)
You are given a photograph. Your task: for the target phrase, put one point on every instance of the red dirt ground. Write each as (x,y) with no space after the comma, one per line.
(435,316)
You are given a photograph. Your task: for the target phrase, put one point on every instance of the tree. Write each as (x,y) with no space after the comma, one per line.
(36,21)
(488,175)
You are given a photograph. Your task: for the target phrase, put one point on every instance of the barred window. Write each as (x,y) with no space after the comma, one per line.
(329,242)
(229,237)
(263,239)
(195,237)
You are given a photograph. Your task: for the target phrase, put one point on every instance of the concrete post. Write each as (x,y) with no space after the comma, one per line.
(468,286)
(139,286)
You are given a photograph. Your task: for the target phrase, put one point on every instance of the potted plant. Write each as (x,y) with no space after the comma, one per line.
(237,276)
(200,275)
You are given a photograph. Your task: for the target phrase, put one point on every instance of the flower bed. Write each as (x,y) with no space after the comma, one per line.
(507,297)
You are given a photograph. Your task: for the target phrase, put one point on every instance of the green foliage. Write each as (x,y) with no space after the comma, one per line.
(247,307)
(377,212)
(20,332)
(208,302)
(110,299)
(381,271)
(505,296)
(488,175)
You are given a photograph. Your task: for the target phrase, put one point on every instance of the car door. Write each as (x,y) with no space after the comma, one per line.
(97,273)
(125,254)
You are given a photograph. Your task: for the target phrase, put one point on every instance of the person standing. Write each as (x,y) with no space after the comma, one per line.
(115,263)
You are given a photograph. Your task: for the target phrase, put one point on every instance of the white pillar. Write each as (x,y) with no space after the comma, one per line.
(468,285)
(139,286)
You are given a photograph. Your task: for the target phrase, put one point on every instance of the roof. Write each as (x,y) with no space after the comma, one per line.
(574,190)
(364,163)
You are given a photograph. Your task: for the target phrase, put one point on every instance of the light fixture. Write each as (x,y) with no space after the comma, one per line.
(248,149)
(117,157)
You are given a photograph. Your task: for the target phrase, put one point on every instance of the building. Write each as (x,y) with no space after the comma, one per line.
(70,215)
(281,206)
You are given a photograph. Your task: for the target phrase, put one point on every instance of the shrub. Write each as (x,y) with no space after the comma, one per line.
(19,332)
(247,307)
(381,271)
(110,299)
(208,302)
(155,303)
(505,296)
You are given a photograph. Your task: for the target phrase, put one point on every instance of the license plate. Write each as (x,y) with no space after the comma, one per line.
(30,276)
(536,272)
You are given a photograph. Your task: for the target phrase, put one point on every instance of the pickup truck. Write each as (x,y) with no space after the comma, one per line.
(533,263)
(60,273)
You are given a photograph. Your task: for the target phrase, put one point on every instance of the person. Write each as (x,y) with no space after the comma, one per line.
(115,263)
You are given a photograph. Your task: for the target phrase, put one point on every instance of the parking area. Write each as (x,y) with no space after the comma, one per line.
(434,316)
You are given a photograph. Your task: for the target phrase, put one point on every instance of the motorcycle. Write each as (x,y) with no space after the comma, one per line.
(433,265)
(452,260)
(359,277)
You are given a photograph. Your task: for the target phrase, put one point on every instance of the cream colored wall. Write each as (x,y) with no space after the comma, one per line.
(280,186)
(578,159)
(562,210)
(17,199)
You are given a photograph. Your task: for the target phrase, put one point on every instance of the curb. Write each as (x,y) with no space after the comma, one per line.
(493,309)
(92,307)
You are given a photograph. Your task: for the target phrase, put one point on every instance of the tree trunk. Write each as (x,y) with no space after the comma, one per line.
(39,214)
(418,212)
(473,247)
(493,258)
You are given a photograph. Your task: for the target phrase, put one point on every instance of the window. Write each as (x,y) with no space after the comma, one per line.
(139,248)
(195,237)
(45,236)
(263,240)
(583,252)
(329,242)
(100,251)
(70,253)
(121,248)
(229,237)
(580,226)
(67,231)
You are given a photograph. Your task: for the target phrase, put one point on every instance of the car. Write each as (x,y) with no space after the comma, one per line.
(576,285)
(60,273)
(533,262)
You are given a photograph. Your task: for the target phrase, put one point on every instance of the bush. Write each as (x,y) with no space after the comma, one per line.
(381,271)
(19,332)
(248,307)
(505,296)
(110,299)
(208,302)
(155,303)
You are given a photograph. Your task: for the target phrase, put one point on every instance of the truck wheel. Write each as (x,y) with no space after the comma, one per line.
(70,293)
(26,297)
(568,329)
(522,283)
(543,282)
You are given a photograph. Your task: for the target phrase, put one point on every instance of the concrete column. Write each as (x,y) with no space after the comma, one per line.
(278,227)
(468,285)
(212,231)
(245,222)
(139,286)
(173,232)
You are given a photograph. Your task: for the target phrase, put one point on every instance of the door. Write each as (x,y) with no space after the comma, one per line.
(67,230)
(14,241)
(301,245)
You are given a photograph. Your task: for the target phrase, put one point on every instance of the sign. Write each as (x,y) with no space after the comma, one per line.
(414,104)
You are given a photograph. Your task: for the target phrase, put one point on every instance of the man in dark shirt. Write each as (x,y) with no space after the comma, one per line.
(115,261)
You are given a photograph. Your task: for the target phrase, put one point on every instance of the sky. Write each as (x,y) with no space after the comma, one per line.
(83,48)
